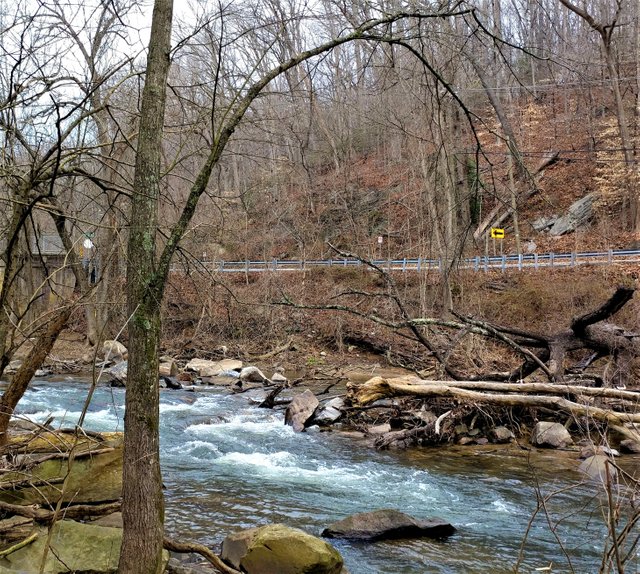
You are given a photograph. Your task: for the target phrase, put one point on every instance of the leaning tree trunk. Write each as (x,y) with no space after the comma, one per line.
(142,498)
(41,348)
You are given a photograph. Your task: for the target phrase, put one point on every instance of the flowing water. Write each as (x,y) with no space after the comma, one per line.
(229,465)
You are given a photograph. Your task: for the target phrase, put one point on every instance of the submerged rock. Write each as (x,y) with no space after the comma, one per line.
(552,435)
(300,410)
(279,549)
(387,524)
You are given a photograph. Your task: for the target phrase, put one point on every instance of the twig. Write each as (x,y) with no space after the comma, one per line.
(22,544)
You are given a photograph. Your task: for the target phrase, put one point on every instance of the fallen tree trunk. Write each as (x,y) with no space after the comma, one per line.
(71,512)
(378,388)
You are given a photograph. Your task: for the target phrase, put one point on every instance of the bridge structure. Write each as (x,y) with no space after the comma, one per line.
(479,263)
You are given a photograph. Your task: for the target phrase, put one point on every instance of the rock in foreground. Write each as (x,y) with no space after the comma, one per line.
(279,549)
(387,524)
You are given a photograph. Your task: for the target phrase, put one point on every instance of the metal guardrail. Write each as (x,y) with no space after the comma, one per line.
(478,263)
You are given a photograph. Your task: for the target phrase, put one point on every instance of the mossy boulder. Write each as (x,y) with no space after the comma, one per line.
(95,475)
(279,549)
(75,547)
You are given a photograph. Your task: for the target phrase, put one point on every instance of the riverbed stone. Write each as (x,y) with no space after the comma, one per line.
(502,435)
(205,368)
(330,412)
(252,375)
(551,435)
(387,524)
(300,410)
(279,549)
(168,369)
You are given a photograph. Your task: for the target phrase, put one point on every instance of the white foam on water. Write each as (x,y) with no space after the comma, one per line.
(105,418)
(196,450)
(502,506)
(174,407)
(242,425)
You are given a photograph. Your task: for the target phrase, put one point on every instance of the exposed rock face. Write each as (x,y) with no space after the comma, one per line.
(387,524)
(75,547)
(278,549)
(300,410)
(552,435)
(168,369)
(206,368)
(578,214)
(118,374)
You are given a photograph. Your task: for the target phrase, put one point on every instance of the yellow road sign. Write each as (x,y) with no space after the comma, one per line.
(497,233)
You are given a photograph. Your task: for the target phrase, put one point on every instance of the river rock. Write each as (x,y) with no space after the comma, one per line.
(118,374)
(502,435)
(300,410)
(279,549)
(206,368)
(330,412)
(75,547)
(630,446)
(168,369)
(387,524)
(114,351)
(595,467)
(278,378)
(252,375)
(552,435)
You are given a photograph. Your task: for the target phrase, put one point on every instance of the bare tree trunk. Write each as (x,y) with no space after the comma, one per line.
(142,497)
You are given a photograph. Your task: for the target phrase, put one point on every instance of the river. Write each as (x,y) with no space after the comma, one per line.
(229,465)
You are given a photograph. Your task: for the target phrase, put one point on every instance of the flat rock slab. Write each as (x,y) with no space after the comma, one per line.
(387,524)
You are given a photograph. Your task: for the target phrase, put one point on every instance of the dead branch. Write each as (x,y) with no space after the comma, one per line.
(378,388)
(77,511)
(616,302)
(187,547)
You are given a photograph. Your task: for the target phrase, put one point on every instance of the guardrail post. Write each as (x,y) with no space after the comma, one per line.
(221,265)
(535,261)
(551,259)
(610,256)
(520,261)
(573,259)
(404,265)
(246,266)
(418,266)
(476,263)
(486,264)
(330,262)
(504,263)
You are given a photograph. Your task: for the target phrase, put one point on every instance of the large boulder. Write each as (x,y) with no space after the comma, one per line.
(279,549)
(94,477)
(387,524)
(75,547)
(551,435)
(206,368)
(300,410)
